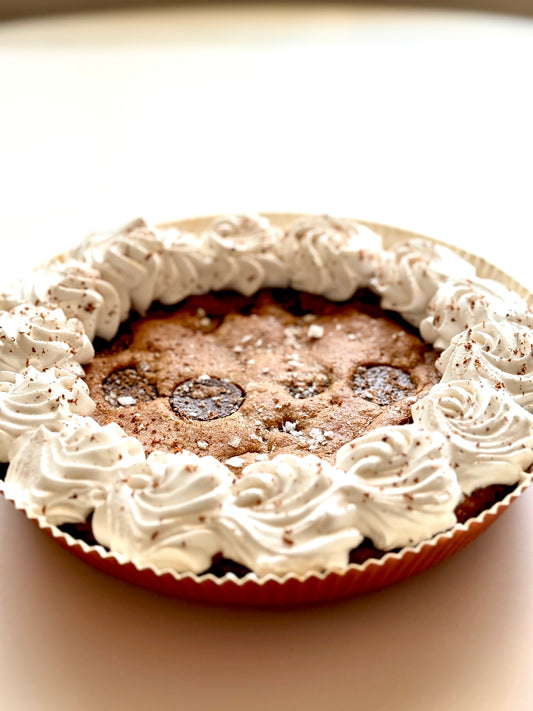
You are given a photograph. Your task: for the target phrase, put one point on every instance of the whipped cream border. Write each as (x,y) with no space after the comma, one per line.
(390,237)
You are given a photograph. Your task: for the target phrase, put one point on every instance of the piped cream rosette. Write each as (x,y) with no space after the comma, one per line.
(160,520)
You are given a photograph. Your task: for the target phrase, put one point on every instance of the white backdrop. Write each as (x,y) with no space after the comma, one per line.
(418,119)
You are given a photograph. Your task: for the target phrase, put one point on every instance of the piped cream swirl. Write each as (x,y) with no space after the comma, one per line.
(80,292)
(459,304)
(64,475)
(501,353)
(331,256)
(12,295)
(33,398)
(190,265)
(246,253)
(410,274)
(42,337)
(402,484)
(164,517)
(290,514)
(131,259)
(490,437)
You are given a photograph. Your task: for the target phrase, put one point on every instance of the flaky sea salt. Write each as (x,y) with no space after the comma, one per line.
(236,462)
(315,331)
(290,427)
(291,336)
(317,435)
(126,400)
(201,444)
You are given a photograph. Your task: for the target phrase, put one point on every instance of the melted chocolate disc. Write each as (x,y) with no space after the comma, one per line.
(127,387)
(206,398)
(306,383)
(382,384)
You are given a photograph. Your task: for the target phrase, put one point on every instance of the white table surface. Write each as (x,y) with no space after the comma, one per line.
(419,119)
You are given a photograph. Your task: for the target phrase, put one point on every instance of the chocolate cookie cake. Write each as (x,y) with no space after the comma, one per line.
(262,399)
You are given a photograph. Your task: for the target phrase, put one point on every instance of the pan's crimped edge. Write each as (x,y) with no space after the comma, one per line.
(290,589)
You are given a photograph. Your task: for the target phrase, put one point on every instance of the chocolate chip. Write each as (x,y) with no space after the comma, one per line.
(122,340)
(127,387)
(222,566)
(382,384)
(206,398)
(291,301)
(307,384)
(83,531)
(365,550)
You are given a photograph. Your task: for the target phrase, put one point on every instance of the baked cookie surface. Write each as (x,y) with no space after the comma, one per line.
(282,372)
